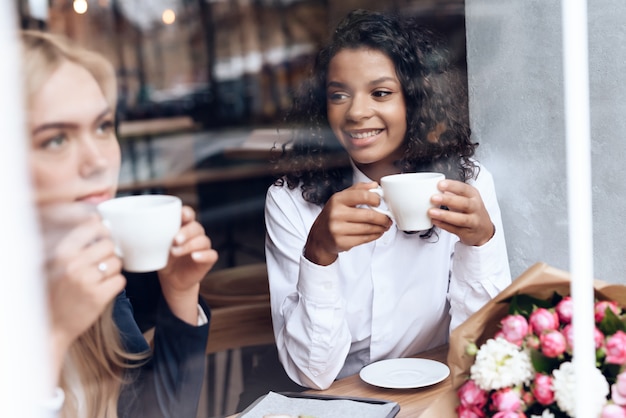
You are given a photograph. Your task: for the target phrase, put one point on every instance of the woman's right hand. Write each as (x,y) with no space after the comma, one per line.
(83,272)
(342,225)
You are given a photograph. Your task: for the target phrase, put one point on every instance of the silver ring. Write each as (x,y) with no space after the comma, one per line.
(102,267)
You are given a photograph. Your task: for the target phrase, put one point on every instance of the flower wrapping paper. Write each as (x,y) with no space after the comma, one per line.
(540,281)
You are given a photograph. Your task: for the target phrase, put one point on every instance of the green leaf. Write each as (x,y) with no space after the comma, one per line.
(611,323)
(542,363)
(556,298)
(524,304)
(610,372)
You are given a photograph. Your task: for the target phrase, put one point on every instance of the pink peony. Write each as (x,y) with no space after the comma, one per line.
(532,341)
(568,332)
(618,389)
(542,320)
(565,310)
(470,412)
(528,398)
(542,389)
(601,307)
(616,348)
(598,337)
(613,411)
(553,343)
(506,399)
(509,414)
(514,329)
(471,395)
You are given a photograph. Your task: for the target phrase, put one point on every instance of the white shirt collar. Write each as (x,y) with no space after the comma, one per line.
(358,176)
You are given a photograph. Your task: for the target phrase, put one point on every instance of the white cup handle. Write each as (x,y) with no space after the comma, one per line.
(379,192)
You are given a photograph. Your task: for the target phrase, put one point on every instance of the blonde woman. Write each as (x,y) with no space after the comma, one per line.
(104,366)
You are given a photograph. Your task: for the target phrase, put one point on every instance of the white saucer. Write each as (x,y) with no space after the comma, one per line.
(404,373)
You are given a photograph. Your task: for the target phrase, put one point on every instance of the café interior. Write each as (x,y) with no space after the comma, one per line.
(203,88)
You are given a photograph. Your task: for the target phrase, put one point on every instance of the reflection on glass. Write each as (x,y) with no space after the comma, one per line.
(168,16)
(216,78)
(80,6)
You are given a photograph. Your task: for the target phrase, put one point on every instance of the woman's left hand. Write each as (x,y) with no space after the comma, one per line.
(467,216)
(191,257)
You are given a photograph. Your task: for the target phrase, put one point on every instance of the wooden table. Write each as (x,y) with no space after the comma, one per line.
(241,171)
(412,401)
(262,144)
(144,130)
(196,177)
(158,126)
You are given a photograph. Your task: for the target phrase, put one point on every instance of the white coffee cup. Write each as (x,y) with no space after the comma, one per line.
(143,229)
(407,196)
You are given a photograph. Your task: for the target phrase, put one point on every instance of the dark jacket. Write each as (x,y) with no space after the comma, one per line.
(168,385)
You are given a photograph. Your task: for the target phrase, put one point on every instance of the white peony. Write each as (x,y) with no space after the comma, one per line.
(545,414)
(501,364)
(564,383)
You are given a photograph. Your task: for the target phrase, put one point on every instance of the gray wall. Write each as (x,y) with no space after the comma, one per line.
(514,57)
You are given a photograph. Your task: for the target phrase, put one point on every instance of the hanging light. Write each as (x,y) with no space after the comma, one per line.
(80,6)
(168,16)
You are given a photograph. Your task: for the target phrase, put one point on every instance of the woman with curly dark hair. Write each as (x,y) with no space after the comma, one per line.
(347,287)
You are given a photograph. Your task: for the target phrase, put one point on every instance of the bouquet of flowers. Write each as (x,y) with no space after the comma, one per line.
(513,357)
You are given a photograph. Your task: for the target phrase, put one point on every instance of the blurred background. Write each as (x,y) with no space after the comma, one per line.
(204,86)
(222,62)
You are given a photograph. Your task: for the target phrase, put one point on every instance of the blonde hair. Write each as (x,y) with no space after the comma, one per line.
(43,53)
(97,357)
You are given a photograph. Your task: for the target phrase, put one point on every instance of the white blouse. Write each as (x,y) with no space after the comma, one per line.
(394,297)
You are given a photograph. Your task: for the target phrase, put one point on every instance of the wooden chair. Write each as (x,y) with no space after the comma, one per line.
(240,321)
(236,326)
(232,330)
(246,284)
(240,326)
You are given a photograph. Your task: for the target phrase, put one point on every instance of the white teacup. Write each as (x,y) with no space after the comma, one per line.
(408,196)
(143,229)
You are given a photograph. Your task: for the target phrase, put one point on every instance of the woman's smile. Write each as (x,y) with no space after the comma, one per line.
(366,109)
(363,138)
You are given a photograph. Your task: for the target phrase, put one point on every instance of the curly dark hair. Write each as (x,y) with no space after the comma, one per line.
(438,134)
